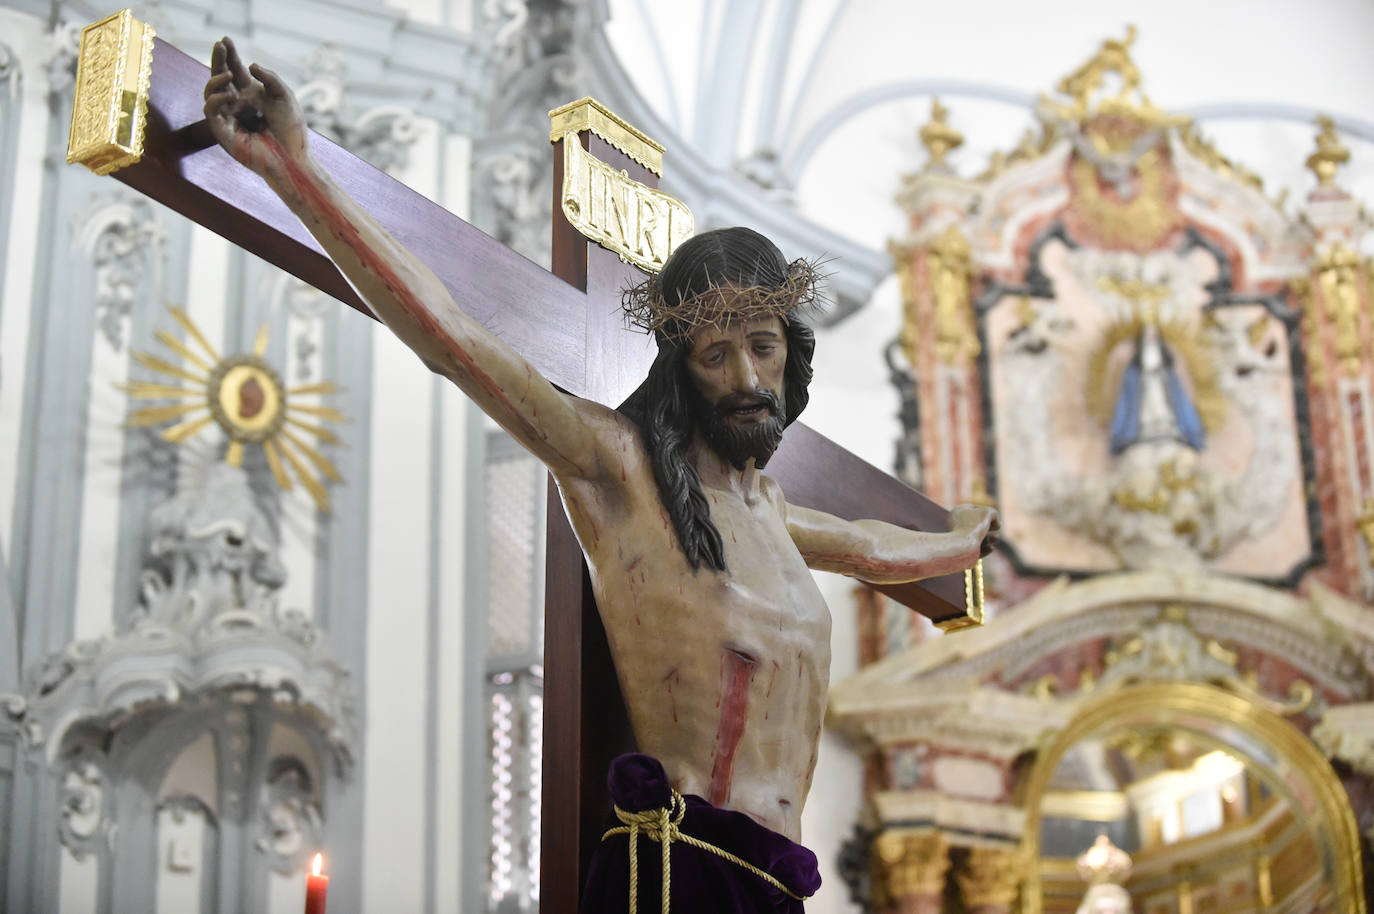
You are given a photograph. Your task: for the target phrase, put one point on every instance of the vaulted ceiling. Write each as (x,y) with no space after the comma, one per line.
(823,98)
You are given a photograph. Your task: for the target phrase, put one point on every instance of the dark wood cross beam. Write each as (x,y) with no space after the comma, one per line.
(567,324)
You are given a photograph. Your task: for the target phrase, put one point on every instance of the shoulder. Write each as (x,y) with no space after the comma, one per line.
(619,443)
(773,493)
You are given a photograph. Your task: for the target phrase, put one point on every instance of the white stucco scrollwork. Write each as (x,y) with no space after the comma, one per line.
(208,646)
(9,71)
(63,46)
(290,827)
(381,135)
(83,805)
(124,237)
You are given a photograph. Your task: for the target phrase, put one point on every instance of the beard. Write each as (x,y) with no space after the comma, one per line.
(738,444)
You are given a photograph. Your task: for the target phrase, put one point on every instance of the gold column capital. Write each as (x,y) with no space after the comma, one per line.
(991,876)
(912,862)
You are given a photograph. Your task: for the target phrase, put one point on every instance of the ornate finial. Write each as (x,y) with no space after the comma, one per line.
(938,136)
(1330,154)
(1113,57)
(1104,863)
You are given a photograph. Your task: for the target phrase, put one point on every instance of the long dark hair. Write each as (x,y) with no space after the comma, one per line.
(663,406)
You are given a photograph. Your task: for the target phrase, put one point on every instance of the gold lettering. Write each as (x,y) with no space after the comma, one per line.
(648,221)
(638,223)
(617,229)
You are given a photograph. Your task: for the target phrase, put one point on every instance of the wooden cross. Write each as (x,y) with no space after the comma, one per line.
(567,324)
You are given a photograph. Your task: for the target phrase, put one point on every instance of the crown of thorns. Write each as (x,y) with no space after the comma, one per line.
(646,308)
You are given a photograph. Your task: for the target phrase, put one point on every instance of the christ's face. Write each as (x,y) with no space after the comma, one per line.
(738,374)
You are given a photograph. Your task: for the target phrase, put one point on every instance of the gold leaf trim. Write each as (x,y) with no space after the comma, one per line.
(589,114)
(974,603)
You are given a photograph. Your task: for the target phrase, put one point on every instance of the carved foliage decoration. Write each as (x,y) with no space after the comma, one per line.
(64,46)
(290,828)
(124,239)
(534,45)
(84,801)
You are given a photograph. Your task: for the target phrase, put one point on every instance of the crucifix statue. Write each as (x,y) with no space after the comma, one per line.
(698,564)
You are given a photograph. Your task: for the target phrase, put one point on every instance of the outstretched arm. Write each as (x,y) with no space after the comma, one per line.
(883,553)
(257,119)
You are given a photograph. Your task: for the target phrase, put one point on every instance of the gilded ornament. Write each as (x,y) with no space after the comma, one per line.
(991,877)
(997,165)
(974,602)
(1338,277)
(590,114)
(938,137)
(110,102)
(912,863)
(639,224)
(1301,291)
(1204,151)
(1171,649)
(1119,142)
(1114,56)
(950,272)
(1264,881)
(244,395)
(1365,525)
(909,337)
(1330,154)
(1141,221)
(1031,146)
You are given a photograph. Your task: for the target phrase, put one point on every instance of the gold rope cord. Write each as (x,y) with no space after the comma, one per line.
(661,825)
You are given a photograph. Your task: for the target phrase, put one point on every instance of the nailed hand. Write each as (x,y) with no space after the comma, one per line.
(252,113)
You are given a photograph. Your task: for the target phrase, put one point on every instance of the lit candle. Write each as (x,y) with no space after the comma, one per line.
(315,887)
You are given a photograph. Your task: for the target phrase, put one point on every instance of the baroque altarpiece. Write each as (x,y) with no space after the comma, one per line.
(1162,377)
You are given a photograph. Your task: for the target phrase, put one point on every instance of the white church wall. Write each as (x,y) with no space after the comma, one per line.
(24,119)
(398,579)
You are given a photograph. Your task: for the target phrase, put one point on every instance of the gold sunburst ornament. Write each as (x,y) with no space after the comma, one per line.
(245,396)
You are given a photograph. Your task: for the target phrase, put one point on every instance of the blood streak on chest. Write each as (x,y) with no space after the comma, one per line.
(738,671)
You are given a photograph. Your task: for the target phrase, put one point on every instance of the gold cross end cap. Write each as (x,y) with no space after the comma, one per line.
(110,102)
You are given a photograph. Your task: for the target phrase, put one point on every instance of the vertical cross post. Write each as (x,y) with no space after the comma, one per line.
(585,724)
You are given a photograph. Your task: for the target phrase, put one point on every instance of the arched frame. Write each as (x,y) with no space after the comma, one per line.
(1279,753)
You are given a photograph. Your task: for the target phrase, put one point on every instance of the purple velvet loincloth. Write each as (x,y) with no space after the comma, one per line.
(700,880)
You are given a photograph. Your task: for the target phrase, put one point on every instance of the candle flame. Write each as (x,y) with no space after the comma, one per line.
(316,864)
